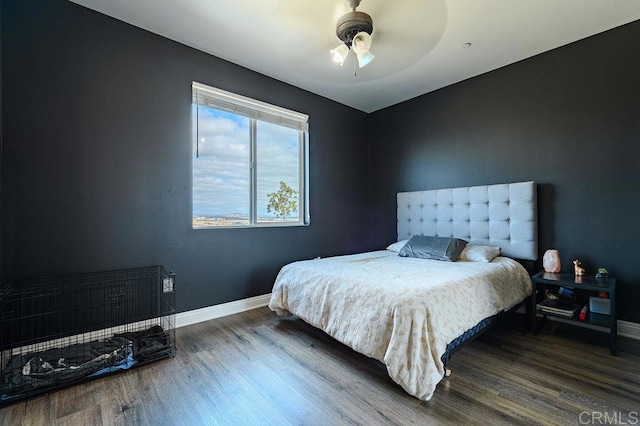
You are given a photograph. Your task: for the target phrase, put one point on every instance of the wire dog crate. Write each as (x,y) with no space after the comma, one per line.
(61,330)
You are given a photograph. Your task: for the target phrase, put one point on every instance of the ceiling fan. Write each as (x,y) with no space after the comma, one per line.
(354,30)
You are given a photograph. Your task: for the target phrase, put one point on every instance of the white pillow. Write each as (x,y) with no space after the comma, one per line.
(397,246)
(473,253)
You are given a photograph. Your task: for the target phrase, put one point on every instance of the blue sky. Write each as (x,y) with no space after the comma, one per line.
(221,172)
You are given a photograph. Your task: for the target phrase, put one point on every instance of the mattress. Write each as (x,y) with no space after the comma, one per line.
(400,311)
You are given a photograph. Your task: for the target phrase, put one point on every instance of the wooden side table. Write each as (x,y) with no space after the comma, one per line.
(584,287)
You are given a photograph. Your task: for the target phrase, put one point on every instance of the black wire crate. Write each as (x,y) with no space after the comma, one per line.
(60,330)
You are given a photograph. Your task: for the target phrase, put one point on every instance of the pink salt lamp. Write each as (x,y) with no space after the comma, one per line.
(551,261)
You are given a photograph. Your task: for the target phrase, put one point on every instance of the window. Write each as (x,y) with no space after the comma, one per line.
(250,162)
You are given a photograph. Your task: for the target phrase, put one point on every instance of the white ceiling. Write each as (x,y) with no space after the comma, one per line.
(418,43)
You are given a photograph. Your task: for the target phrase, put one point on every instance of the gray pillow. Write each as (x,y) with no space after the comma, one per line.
(438,248)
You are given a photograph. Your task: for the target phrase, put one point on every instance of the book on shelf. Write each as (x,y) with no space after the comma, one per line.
(560,307)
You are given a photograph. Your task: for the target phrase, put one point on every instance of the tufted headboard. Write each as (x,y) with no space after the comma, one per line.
(502,215)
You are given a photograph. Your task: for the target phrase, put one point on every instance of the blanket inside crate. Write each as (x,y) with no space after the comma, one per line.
(59,366)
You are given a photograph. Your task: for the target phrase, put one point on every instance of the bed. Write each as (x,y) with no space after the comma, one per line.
(406,311)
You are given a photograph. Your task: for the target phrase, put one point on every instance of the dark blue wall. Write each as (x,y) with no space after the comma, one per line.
(97,158)
(568,119)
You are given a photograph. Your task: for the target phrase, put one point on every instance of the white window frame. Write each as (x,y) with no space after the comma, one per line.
(260,111)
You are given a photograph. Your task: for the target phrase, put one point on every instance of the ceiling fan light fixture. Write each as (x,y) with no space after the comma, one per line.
(361,43)
(365,58)
(354,29)
(339,54)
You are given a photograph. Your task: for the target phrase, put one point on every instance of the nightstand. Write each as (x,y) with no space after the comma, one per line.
(583,288)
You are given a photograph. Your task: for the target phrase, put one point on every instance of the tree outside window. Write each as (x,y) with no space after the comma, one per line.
(283,202)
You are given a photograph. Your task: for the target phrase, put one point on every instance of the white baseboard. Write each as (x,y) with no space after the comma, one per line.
(629,329)
(222,310)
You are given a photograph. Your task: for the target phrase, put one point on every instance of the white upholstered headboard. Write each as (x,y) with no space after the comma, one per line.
(502,215)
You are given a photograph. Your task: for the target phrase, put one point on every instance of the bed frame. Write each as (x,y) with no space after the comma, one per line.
(503,215)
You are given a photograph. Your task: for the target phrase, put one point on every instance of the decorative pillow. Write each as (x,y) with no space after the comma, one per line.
(397,246)
(473,253)
(438,248)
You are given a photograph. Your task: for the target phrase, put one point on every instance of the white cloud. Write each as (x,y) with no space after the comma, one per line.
(221,171)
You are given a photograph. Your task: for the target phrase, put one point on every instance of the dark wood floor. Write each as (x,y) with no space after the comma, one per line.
(254,368)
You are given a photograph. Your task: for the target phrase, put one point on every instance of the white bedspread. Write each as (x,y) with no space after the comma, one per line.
(400,311)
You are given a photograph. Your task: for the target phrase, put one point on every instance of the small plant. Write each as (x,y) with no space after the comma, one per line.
(602,273)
